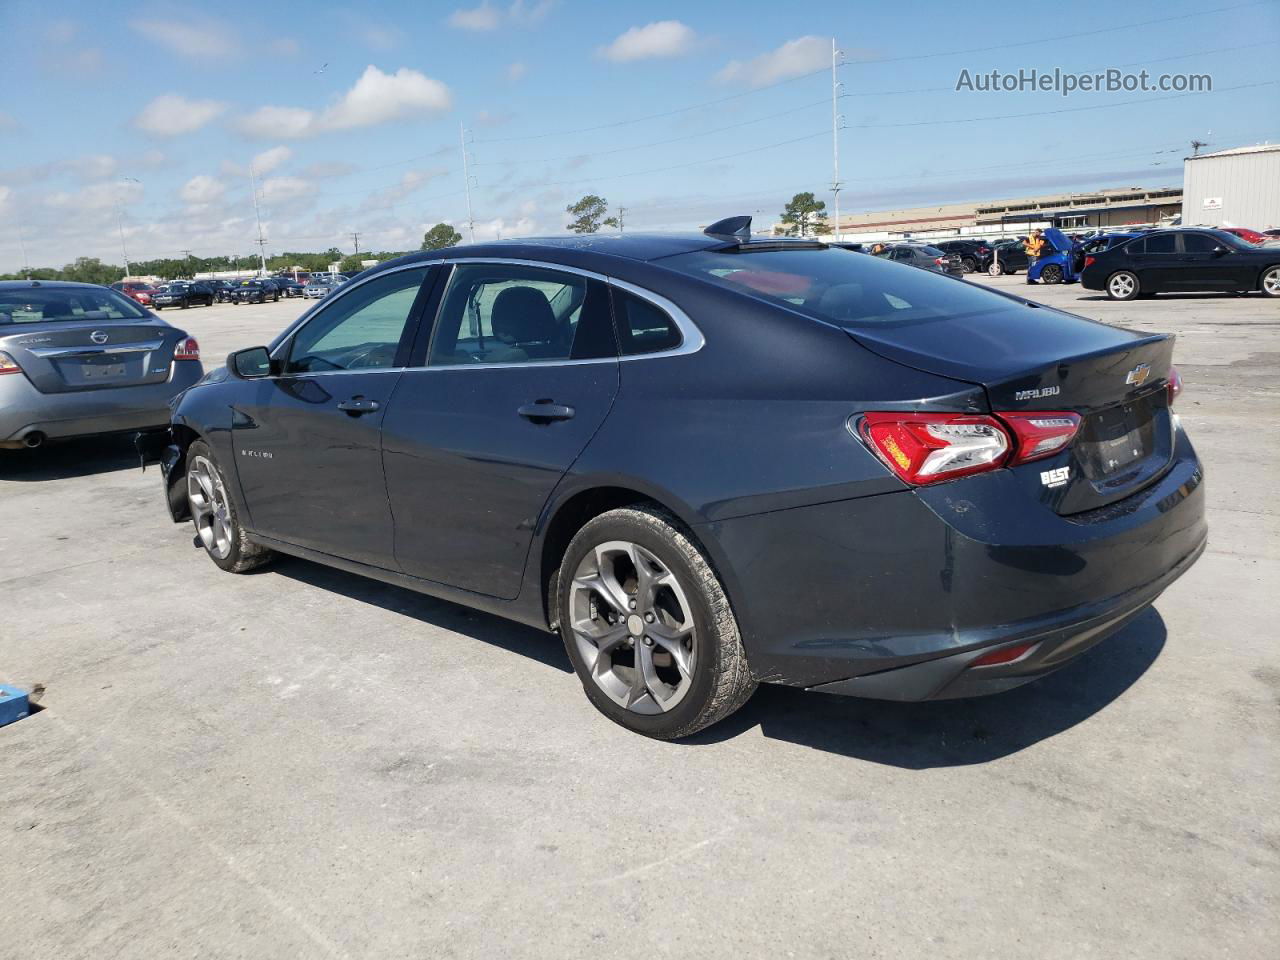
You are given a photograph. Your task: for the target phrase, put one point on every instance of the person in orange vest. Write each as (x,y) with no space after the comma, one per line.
(1033,245)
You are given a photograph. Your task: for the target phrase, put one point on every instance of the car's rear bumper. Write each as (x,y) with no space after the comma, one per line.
(894,596)
(25,410)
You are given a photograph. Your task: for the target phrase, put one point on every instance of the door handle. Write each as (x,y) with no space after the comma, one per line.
(544,411)
(358,406)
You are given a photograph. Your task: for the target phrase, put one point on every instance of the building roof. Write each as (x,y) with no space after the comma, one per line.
(1238,151)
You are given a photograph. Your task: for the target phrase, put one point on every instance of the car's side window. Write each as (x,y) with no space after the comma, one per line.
(1197,243)
(643,327)
(361,330)
(1161,243)
(511,313)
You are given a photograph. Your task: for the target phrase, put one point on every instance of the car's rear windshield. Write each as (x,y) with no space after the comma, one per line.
(54,305)
(841,287)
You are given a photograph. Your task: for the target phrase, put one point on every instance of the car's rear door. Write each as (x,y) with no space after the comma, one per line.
(308,441)
(521,371)
(1155,261)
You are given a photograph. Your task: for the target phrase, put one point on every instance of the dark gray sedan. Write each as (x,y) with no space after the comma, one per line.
(924,257)
(79,359)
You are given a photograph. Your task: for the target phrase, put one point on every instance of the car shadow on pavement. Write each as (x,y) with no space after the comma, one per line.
(64,460)
(538,645)
(952,733)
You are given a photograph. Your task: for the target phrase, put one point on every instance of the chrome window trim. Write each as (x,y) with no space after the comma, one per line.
(691,338)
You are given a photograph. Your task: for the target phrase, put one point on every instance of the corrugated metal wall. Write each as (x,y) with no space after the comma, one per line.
(1246,185)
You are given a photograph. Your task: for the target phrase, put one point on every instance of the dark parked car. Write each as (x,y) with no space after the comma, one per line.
(288,286)
(79,359)
(1008,256)
(924,257)
(182,293)
(710,461)
(255,291)
(1178,261)
(975,255)
(221,289)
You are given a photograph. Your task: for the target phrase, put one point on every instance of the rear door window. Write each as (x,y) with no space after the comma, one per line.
(1161,243)
(643,327)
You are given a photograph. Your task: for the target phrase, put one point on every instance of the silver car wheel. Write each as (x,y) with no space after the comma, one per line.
(1121,286)
(1271,282)
(209,509)
(633,626)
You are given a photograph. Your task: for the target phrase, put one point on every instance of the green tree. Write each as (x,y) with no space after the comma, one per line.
(804,216)
(440,236)
(91,270)
(589,213)
(352,263)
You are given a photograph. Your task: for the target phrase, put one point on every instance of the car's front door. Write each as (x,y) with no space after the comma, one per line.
(1201,266)
(308,442)
(522,370)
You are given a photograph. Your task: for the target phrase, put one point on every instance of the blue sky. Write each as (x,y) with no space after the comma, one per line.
(351,119)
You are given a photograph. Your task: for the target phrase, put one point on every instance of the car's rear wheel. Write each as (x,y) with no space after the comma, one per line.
(648,626)
(995,270)
(968,264)
(1270,282)
(1122,285)
(214,515)
(1051,274)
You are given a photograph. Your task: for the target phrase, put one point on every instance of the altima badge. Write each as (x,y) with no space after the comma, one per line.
(1138,375)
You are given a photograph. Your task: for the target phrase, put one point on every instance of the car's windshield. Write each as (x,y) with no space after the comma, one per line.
(841,288)
(56,305)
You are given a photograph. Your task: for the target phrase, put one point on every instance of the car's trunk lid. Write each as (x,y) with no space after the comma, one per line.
(66,357)
(1030,358)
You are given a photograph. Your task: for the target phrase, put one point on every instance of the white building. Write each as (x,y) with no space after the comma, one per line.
(1233,188)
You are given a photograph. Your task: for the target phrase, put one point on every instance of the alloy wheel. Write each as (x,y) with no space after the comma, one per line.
(1121,286)
(209,508)
(1271,282)
(633,625)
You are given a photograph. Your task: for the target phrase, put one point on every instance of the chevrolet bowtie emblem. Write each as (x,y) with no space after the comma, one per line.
(1138,375)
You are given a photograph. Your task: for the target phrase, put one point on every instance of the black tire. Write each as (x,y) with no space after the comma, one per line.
(1269,282)
(243,555)
(1051,274)
(721,680)
(968,265)
(1123,285)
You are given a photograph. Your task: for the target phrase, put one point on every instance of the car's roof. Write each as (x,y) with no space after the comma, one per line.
(48,285)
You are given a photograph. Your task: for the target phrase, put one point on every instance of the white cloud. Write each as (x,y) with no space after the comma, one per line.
(199,39)
(375,98)
(487,16)
(663,38)
(279,189)
(202,189)
(171,115)
(97,196)
(269,160)
(516,71)
(95,166)
(793,59)
(483,17)
(379,37)
(410,182)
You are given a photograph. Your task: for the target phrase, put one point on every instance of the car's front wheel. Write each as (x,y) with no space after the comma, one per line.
(217,524)
(1122,285)
(648,626)
(1051,274)
(1270,282)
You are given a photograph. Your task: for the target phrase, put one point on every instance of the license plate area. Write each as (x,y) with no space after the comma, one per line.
(102,371)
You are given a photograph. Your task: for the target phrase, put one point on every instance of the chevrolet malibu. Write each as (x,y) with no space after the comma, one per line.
(79,359)
(710,461)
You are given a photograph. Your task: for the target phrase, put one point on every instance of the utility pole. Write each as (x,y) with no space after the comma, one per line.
(621,213)
(835,135)
(257,213)
(120,222)
(466,180)
(355,239)
(1196,145)
(22,244)
(187,254)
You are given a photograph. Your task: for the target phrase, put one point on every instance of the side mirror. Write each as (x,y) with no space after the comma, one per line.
(1219,251)
(251,363)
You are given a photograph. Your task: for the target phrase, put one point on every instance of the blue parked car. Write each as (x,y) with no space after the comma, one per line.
(1058,262)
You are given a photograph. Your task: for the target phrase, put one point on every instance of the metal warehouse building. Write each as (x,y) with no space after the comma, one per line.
(1233,188)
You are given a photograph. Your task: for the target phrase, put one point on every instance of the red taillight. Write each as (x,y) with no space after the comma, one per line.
(1175,384)
(8,365)
(1003,655)
(922,448)
(1040,434)
(940,261)
(187,349)
(1088,261)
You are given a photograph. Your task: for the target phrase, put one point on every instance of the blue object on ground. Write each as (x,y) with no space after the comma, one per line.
(14,704)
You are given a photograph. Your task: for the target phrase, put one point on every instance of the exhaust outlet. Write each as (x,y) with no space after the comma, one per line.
(33,439)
